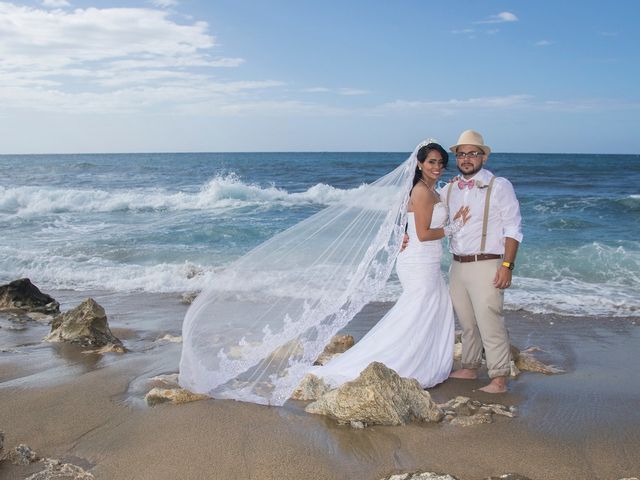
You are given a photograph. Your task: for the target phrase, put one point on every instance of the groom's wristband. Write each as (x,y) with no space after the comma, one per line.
(509,265)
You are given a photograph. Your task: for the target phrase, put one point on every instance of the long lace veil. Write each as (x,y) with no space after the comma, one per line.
(254,333)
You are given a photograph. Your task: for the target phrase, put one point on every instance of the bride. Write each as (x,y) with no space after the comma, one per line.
(415,338)
(255,332)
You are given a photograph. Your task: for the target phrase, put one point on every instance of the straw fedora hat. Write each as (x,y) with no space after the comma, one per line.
(471,137)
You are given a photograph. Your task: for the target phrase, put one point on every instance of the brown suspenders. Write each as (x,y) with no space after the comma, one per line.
(485,218)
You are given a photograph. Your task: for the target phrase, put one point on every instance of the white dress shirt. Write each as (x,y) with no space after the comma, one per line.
(504,214)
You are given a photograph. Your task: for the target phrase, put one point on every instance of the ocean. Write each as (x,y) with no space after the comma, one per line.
(166,223)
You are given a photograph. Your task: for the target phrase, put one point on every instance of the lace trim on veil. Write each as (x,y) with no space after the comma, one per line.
(255,332)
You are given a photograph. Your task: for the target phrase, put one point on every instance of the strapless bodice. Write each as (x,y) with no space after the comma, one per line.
(429,250)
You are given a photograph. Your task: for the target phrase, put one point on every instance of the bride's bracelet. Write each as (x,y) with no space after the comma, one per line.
(454,227)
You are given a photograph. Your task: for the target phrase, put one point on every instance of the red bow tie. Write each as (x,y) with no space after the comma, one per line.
(468,184)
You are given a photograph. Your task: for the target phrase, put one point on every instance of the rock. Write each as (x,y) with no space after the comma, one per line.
(22,455)
(176,396)
(498,409)
(476,419)
(463,411)
(337,345)
(24,295)
(110,348)
(509,476)
(187,298)
(457,351)
(310,388)
(169,380)
(514,370)
(461,406)
(520,361)
(85,325)
(379,396)
(170,338)
(420,476)
(1,446)
(56,470)
(526,362)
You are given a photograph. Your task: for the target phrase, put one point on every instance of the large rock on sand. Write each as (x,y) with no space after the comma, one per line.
(85,325)
(25,296)
(379,396)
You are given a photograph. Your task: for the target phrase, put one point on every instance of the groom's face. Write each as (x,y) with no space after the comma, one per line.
(470,159)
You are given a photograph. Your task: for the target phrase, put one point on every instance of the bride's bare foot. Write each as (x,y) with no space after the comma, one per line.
(497,385)
(464,373)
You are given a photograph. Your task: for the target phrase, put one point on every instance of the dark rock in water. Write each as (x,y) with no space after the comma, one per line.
(85,325)
(24,295)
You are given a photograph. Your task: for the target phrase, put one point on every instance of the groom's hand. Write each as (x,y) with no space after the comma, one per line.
(503,278)
(405,242)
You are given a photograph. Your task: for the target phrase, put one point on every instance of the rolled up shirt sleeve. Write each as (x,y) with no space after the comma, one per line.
(509,208)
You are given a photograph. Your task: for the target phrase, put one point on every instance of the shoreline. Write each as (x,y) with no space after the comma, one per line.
(88,409)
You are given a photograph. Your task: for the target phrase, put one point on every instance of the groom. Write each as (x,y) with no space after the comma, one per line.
(484,254)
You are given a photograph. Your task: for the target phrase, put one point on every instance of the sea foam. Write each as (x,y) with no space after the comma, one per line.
(221,192)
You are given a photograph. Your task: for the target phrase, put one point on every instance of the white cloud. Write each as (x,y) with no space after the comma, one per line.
(55,3)
(506,102)
(111,59)
(464,31)
(339,91)
(164,3)
(501,17)
(352,91)
(454,105)
(543,43)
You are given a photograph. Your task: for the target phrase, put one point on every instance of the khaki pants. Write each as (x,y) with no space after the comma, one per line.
(478,306)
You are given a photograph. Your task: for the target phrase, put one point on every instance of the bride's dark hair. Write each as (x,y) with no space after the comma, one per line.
(422,155)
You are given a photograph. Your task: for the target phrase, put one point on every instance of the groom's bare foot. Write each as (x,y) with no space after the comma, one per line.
(464,373)
(497,385)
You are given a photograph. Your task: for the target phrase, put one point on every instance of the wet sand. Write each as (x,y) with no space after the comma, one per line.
(88,409)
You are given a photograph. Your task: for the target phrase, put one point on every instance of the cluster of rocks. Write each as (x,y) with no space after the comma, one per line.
(53,469)
(85,326)
(379,396)
(444,476)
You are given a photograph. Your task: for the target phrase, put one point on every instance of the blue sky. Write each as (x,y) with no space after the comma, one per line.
(295,75)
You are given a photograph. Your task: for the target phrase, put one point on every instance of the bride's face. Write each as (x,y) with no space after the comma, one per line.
(432,166)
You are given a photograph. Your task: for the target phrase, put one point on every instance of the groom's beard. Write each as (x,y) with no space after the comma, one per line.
(472,172)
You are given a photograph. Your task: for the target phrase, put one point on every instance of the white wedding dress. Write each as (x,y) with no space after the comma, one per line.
(415,338)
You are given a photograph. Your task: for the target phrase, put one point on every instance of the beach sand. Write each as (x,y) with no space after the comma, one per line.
(88,409)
